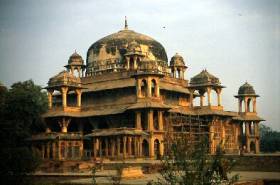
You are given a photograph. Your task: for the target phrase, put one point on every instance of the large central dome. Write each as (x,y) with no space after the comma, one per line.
(112,49)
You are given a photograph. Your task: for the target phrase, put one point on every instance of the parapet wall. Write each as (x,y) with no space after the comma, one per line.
(269,163)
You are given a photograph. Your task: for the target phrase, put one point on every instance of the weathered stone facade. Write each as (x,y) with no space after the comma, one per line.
(127,99)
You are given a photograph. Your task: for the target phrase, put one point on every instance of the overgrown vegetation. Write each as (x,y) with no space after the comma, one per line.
(190,164)
(20,116)
(270,139)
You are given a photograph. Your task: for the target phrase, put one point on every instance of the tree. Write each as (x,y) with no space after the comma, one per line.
(270,139)
(190,164)
(20,116)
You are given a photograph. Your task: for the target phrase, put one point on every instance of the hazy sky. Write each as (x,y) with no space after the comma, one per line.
(234,40)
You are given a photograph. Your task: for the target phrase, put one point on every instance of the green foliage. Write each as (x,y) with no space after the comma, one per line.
(190,164)
(270,139)
(20,115)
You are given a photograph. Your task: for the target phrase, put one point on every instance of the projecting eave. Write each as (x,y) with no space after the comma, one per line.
(248,118)
(116,132)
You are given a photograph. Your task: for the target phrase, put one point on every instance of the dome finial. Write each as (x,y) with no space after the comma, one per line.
(125,24)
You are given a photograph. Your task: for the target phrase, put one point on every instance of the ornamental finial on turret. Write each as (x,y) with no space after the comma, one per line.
(125,24)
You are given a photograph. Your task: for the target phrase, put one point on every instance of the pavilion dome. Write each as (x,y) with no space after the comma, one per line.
(75,59)
(246,89)
(177,60)
(205,78)
(64,78)
(113,48)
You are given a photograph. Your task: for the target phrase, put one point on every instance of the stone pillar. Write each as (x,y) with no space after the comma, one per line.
(124,146)
(157,89)
(160,121)
(247,129)
(149,89)
(247,132)
(257,145)
(127,63)
(219,96)
(81,149)
(138,87)
(79,97)
(240,104)
(191,98)
(161,148)
(138,120)
(64,96)
(223,134)
(135,147)
(140,148)
(209,96)
(106,148)
(150,120)
(211,139)
(118,146)
(54,150)
(100,148)
(48,151)
(201,100)
(151,148)
(246,105)
(134,63)
(59,150)
(113,147)
(129,146)
(50,93)
(256,129)
(254,104)
(94,148)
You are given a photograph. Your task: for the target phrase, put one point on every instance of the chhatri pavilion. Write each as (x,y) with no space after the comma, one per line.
(127,100)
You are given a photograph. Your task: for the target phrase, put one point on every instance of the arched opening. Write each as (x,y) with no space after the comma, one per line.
(103,147)
(131,63)
(76,72)
(155,119)
(249,105)
(178,71)
(252,147)
(241,107)
(252,128)
(69,150)
(196,99)
(144,120)
(173,73)
(153,90)
(143,88)
(214,98)
(156,149)
(145,148)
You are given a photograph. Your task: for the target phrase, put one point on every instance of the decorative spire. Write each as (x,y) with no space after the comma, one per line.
(125,24)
